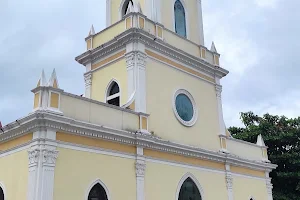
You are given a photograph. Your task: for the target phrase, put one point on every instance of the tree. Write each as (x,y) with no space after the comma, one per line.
(282,137)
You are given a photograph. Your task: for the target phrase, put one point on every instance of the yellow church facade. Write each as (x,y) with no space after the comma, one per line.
(150,125)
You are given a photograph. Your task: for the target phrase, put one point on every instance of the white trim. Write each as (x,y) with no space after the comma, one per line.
(186,18)
(251,197)
(108,87)
(3,189)
(195,108)
(15,149)
(200,22)
(131,17)
(93,184)
(191,176)
(121,9)
(248,176)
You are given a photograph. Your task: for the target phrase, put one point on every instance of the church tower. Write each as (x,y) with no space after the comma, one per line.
(150,125)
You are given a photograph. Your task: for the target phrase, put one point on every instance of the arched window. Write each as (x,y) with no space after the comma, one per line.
(97,193)
(189,190)
(180,20)
(113,94)
(125,6)
(1,194)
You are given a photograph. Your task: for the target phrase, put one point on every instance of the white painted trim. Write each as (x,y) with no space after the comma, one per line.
(93,184)
(200,22)
(251,197)
(191,176)
(15,149)
(49,100)
(108,87)
(3,189)
(186,18)
(195,108)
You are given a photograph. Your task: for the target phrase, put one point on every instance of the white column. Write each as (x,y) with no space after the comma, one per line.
(269,186)
(229,182)
(148,9)
(88,84)
(136,73)
(140,167)
(220,109)
(158,10)
(42,158)
(200,23)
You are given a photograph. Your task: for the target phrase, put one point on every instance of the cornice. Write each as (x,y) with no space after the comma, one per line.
(44,120)
(151,42)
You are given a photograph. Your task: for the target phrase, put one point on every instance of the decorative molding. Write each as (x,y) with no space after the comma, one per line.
(195,108)
(269,188)
(88,79)
(219,91)
(44,119)
(49,156)
(93,184)
(33,156)
(140,168)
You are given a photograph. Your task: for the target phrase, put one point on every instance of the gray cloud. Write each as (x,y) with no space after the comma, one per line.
(258,40)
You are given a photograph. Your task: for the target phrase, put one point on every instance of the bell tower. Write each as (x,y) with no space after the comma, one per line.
(172,14)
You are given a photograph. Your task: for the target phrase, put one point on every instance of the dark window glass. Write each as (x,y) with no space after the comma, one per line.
(115,101)
(189,191)
(114,89)
(1,194)
(184,107)
(97,193)
(180,22)
(125,7)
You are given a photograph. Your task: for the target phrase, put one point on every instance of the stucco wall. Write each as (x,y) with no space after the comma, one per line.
(161,182)
(244,188)
(75,171)
(14,175)
(162,82)
(102,77)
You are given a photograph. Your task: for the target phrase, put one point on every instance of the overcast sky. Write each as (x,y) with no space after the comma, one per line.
(258,41)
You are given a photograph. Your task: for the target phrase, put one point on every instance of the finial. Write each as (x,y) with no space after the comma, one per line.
(260,141)
(92,31)
(42,80)
(213,48)
(53,82)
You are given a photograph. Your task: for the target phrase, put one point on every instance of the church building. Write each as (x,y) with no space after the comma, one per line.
(149,126)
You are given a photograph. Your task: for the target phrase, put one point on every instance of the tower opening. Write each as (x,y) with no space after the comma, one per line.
(180,19)
(113,94)
(189,191)
(1,194)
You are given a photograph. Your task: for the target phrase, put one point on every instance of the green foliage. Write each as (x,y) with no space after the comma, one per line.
(282,136)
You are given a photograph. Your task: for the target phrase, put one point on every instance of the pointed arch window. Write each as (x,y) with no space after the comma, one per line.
(125,6)
(97,193)
(189,190)
(180,19)
(1,194)
(113,94)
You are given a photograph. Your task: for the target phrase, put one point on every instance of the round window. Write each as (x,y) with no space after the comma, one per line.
(185,108)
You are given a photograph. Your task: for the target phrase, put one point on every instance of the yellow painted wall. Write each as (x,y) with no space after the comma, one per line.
(15,142)
(161,182)
(244,188)
(160,93)
(76,170)
(102,77)
(167,7)
(14,175)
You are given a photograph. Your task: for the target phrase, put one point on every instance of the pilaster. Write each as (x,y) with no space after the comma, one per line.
(269,186)
(222,127)
(42,159)
(88,84)
(136,72)
(140,167)
(229,182)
